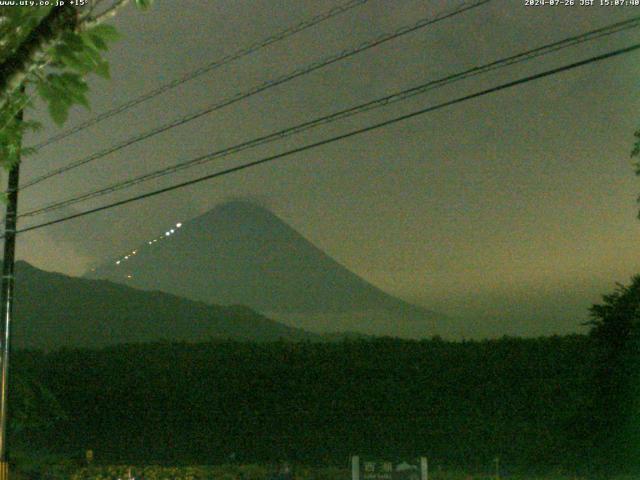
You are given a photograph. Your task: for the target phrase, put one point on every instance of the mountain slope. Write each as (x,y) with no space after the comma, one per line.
(240,253)
(54,310)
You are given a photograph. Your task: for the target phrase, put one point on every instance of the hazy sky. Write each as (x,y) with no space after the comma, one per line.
(515,211)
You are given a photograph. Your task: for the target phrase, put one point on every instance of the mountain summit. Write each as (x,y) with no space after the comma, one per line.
(241,253)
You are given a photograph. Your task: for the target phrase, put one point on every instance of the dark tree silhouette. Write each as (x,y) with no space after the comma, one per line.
(616,331)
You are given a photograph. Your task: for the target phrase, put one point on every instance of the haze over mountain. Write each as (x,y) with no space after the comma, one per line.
(241,253)
(53,310)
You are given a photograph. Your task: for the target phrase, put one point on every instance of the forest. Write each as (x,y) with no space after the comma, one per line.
(529,402)
(547,404)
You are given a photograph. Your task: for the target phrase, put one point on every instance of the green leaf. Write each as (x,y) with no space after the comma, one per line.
(73,41)
(96,41)
(99,42)
(81,99)
(59,112)
(60,51)
(143,4)
(74,81)
(92,57)
(107,33)
(74,61)
(46,91)
(70,88)
(102,69)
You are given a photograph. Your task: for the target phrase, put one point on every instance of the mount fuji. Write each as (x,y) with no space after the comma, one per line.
(240,253)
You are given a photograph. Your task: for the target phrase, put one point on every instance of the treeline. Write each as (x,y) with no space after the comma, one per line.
(527,401)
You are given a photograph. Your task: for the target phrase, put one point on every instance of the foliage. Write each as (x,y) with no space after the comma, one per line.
(59,74)
(261,472)
(13,130)
(33,406)
(73,57)
(635,152)
(461,404)
(16,24)
(616,322)
(616,411)
(156,472)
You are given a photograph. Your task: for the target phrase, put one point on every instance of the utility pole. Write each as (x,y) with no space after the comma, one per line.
(6,302)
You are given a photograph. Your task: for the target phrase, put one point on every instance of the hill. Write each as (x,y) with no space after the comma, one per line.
(54,310)
(241,253)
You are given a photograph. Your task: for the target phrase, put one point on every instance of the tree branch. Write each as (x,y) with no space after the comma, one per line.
(108,13)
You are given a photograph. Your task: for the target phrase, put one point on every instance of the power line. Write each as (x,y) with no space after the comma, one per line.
(260,88)
(352,133)
(368,106)
(283,34)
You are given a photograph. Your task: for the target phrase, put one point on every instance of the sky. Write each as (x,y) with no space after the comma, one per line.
(514,212)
